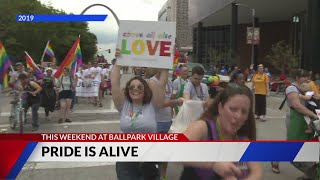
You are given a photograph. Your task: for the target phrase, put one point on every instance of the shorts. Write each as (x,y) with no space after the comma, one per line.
(66,94)
(163,127)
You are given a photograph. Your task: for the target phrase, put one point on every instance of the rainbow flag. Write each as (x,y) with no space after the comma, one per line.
(79,55)
(5,64)
(30,63)
(72,60)
(49,51)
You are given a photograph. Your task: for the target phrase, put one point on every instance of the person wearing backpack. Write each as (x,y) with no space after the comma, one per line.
(295,120)
(66,85)
(32,98)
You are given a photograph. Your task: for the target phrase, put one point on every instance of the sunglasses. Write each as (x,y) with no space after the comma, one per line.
(132,87)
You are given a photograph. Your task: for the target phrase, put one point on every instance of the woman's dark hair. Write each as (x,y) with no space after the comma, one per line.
(22,76)
(147,91)
(249,127)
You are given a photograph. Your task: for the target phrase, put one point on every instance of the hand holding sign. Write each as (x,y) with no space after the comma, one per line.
(146,44)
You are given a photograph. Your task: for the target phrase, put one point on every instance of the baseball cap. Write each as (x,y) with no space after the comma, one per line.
(49,69)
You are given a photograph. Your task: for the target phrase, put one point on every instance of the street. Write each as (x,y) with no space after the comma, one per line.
(89,119)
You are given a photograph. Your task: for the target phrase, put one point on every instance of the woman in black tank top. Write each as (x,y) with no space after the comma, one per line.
(32,98)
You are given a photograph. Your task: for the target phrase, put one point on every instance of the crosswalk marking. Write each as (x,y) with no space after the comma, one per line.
(95,111)
(96,122)
(64,165)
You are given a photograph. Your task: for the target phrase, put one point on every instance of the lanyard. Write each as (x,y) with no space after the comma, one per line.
(133,116)
(217,126)
(168,89)
(218,130)
(201,92)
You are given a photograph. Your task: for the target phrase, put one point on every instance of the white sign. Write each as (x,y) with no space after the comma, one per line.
(146,43)
(87,88)
(255,36)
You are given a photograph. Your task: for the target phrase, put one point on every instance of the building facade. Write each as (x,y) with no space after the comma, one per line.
(220,30)
(177,11)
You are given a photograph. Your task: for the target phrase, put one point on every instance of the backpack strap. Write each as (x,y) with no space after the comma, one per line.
(209,130)
(61,82)
(71,83)
(285,98)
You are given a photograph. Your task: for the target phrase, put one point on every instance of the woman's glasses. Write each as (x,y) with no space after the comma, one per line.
(132,87)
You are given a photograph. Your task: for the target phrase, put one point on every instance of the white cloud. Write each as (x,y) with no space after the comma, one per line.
(107,31)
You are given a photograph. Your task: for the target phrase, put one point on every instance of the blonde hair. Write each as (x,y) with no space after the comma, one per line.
(305,87)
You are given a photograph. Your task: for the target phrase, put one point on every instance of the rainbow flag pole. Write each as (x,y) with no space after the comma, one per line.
(72,59)
(44,51)
(5,64)
(12,69)
(37,72)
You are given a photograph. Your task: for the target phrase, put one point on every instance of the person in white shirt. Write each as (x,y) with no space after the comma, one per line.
(96,75)
(87,80)
(113,62)
(14,82)
(106,77)
(164,115)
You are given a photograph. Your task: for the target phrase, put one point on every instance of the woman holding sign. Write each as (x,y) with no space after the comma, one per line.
(229,118)
(137,104)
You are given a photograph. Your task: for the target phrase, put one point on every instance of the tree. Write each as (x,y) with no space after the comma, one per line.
(218,57)
(281,57)
(32,37)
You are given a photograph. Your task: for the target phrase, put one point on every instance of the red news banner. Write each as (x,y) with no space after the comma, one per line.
(96,137)
(117,137)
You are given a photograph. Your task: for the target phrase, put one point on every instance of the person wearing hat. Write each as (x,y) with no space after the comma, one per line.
(260,86)
(14,82)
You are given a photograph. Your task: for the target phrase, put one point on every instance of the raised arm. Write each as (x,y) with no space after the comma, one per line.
(37,87)
(158,89)
(117,93)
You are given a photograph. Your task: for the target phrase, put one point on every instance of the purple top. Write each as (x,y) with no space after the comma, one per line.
(208,174)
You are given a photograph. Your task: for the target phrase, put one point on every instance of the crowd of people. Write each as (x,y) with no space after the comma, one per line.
(59,93)
(148,104)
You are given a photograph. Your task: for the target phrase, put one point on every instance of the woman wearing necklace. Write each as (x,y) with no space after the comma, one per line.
(137,105)
(229,118)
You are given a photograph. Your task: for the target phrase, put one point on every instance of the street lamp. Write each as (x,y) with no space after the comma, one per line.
(253,25)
